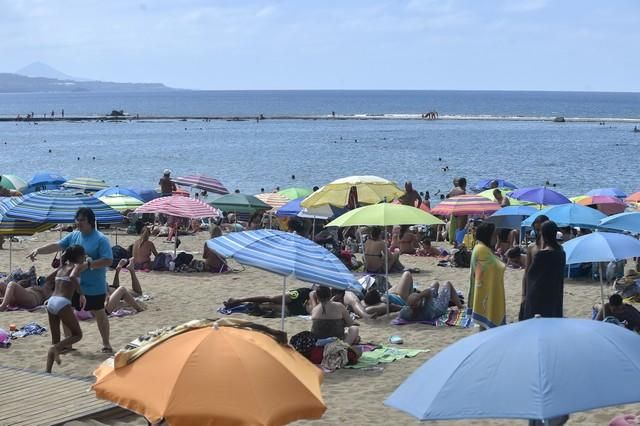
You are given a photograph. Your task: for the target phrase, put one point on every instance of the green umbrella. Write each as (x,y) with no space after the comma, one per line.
(386,214)
(293,193)
(13,182)
(239,203)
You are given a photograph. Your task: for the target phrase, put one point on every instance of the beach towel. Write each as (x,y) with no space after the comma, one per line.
(384,355)
(452,318)
(486,301)
(30,329)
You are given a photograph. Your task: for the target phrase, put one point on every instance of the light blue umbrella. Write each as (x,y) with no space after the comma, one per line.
(59,206)
(535,369)
(286,254)
(483,184)
(116,190)
(511,217)
(601,247)
(144,194)
(569,215)
(626,221)
(45,180)
(611,192)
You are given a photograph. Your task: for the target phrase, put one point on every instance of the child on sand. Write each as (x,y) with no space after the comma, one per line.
(67,281)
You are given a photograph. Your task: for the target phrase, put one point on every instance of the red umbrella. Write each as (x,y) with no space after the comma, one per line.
(202,182)
(180,207)
(464,205)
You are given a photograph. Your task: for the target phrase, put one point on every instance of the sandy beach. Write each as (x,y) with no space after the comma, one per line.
(352,396)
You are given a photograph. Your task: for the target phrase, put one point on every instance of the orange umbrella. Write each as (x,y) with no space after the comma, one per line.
(215,375)
(634,198)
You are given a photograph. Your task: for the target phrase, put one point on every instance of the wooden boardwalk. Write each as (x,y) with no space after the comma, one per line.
(32,398)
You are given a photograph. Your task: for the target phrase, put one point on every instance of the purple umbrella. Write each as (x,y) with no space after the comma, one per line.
(539,195)
(611,192)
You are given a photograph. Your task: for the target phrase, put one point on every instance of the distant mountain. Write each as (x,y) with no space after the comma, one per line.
(15,83)
(39,69)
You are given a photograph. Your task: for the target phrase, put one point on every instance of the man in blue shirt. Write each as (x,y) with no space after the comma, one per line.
(94,278)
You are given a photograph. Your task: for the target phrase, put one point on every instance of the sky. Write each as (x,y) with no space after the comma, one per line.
(565,45)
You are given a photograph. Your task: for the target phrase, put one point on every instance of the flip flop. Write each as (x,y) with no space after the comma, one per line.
(106,350)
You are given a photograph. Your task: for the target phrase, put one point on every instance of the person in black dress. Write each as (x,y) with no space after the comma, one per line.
(545,277)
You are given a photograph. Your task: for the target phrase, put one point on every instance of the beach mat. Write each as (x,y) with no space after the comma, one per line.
(384,355)
(453,318)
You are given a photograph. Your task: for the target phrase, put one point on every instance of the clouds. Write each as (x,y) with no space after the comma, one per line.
(261,44)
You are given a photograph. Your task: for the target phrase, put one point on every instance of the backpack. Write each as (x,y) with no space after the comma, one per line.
(462,258)
(183,259)
(161,262)
(119,253)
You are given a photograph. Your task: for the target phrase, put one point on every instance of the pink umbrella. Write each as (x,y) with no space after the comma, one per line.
(202,182)
(180,207)
(606,204)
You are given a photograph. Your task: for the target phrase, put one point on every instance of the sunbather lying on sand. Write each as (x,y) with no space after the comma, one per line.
(299,301)
(431,303)
(23,294)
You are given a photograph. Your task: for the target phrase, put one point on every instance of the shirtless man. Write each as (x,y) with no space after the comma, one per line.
(411,196)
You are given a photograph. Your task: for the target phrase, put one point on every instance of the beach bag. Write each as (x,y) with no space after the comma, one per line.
(183,259)
(462,258)
(55,263)
(161,262)
(119,253)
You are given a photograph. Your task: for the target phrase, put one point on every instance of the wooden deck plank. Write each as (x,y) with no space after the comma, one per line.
(60,398)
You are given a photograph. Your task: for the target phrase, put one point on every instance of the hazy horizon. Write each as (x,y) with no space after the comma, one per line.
(496,45)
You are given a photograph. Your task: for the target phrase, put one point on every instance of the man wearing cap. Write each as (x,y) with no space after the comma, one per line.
(166,185)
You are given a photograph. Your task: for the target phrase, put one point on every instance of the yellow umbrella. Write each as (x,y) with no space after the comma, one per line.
(369,189)
(204,375)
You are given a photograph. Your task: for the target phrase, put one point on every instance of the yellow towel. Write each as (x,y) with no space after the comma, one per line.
(486,302)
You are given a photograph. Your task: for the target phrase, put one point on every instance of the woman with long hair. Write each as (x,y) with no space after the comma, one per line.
(331,319)
(142,250)
(545,276)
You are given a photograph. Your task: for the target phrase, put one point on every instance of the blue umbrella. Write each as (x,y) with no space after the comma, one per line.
(535,369)
(569,215)
(59,206)
(45,180)
(539,195)
(611,192)
(627,221)
(116,190)
(483,184)
(286,254)
(291,209)
(511,217)
(145,195)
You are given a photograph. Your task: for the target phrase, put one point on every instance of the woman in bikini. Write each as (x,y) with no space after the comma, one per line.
(374,254)
(67,282)
(120,297)
(331,319)
(142,251)
(24,293)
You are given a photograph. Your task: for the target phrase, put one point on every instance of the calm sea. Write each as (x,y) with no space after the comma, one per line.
(250,155)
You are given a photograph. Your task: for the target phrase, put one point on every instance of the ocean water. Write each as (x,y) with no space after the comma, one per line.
(250,155)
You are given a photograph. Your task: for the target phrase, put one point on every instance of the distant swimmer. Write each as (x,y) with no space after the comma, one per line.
(93,158)
(293,177)
(237,191)
(636,130)
(333,114)
(261,189)
(78,158)
(439,158)
(49,151)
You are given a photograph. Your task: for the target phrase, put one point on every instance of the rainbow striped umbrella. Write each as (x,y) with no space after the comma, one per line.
(633,198)
(59,206)
(14,227)
(606,204)
(121,202)
(274,199)
(202,182)
(464,205)
(180,207)
(13,182)
(85,184)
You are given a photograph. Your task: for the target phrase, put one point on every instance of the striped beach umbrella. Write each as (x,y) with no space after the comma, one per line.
(464,205)
(59,206)
(85,184)
(611,192)
(274,199)
(202,182)
(606,204)
(15,227)
(13,182)
(121,202)
(286,254)
(180,207)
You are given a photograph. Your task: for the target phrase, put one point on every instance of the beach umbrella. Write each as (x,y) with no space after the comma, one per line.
(605,203)
(293,193)
(121,202)
(116,190)
(628,221)
(145,194)
(291,209)
(240,203)
(511,217)
(178,206)
(601,247)
(273,199)
(539,195)
(286,254)
(60,206)
(633,198)
(215,375)
(464,205)
(536,369)
(45,180)
(13,182)
(85,184)
(486,184)
(611,192)
(202,182)
(369,190)
(568,215)
(505,193)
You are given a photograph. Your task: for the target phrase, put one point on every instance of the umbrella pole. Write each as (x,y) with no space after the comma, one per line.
(601,293)
(386,268)
(10,253)
(284,293)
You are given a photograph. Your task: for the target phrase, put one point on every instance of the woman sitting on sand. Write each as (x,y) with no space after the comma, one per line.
(213,261)
(374,254)
(142,251)
(24,293)
(404,239)
(331,319)
(67,282)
